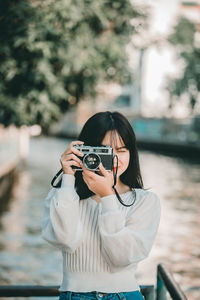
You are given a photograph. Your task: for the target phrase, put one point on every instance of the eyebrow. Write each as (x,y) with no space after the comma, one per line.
(118,148)
(122,147)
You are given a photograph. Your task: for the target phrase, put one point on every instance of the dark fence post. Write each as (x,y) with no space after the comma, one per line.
(165,282)
(148,291)
(161,292)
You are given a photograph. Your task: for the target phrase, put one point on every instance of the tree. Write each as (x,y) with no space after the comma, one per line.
(53,53)
(185,38)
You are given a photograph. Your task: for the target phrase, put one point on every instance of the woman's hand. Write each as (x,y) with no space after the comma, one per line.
(100,185)
(69,158)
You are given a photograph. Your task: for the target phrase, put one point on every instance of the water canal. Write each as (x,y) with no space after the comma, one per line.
(26,259)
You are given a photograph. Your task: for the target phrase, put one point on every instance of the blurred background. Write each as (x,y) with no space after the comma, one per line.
(62,61)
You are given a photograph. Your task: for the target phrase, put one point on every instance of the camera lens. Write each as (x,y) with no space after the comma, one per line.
(91,161)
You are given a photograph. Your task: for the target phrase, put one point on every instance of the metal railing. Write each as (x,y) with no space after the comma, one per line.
(165,283)
(28,291)
(52,291)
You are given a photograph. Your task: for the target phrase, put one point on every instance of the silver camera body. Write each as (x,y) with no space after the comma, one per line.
(94,155)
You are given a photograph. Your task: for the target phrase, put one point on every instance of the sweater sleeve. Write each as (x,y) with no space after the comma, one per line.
(128,240)
(61,224)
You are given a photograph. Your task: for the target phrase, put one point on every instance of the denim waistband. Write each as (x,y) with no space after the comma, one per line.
(91,295)
(100,295)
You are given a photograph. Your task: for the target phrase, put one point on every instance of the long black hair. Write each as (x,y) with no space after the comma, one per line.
(93,133)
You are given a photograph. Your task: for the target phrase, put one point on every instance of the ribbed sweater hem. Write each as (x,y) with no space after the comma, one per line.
(123,281)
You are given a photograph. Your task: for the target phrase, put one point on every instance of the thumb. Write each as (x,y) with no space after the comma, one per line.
(103,170)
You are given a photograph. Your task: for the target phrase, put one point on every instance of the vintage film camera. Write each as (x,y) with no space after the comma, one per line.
(94,155)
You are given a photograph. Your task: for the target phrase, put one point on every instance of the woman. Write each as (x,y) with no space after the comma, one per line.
(102,239)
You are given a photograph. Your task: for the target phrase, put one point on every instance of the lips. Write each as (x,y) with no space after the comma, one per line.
(115,168)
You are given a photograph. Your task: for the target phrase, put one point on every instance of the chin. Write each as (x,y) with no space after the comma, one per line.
(119,173)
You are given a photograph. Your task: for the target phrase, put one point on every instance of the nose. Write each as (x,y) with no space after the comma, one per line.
(115,157)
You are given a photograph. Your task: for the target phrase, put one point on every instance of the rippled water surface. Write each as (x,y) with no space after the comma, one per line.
(26,259)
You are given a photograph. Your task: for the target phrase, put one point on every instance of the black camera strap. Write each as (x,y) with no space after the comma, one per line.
(55,177)
(114,188)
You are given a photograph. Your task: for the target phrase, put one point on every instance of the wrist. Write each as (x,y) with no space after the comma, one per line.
(68,173)
(68,180)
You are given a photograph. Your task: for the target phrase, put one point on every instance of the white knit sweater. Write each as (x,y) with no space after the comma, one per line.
(101,243)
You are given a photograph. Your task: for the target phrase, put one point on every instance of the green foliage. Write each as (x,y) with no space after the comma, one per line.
(55,52)
(185,40)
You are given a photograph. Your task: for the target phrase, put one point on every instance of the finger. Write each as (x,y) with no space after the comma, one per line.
(103,170)
(85,178)
(87,172)
(68,157)
(76,151)
(68,167)
(90,174)
(72,163)
(71,149)
(76,143)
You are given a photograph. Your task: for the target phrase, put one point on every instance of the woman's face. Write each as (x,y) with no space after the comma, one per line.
(113,139)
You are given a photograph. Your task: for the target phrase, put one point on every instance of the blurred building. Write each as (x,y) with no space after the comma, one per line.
(191,10)
(14,148)
(131,94)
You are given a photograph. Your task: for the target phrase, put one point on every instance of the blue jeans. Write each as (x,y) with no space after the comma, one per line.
(135,295)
